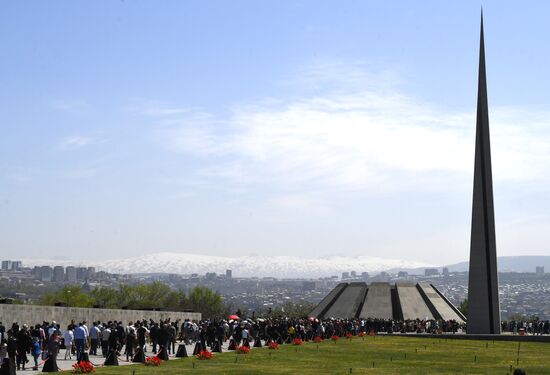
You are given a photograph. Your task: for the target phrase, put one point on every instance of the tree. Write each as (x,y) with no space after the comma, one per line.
(205,301)
(293,310)
(156,295)
(105,297)
(140,296)
(463,308)
(70,295)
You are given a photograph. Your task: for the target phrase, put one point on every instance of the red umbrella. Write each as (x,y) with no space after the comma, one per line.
(234,317)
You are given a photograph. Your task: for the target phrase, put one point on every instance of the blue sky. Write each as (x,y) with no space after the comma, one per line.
(307,128)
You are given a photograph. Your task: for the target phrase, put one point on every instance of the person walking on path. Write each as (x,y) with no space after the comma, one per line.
(53,350)
(24,344)
(68,340)
(80,339)
(131,342)
(36,351)
(95,332)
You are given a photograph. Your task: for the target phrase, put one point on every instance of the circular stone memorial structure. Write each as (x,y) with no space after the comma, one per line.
(398,301)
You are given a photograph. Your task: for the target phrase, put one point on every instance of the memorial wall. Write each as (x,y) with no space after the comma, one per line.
(33,314)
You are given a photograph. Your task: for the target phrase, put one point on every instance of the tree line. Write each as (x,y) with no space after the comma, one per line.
(156,295)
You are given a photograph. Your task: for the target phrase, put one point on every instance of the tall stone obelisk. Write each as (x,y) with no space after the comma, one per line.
(483,301)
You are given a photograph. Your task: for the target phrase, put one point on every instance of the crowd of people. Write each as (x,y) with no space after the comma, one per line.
(540,327)
(43,342)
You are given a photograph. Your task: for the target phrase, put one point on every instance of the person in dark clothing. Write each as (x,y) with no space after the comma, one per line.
(163,337)
(172,335)
(121,334)
(139,355)
(114,350)
(141,336)
(114,341)
(53,350)
(154,335)
(11,349)
(35,332)
(210,335)
(220,333)
(24,343)
(237,335)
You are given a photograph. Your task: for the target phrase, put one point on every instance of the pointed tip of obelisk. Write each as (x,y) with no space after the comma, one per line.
(481,27)
(482,17)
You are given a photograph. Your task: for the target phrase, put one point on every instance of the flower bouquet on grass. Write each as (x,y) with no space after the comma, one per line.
(334,338)
(317,339)
(297,341)
(349,336)
(243,350)
(83,367)
(205,355)
(152,361)
(361,334)
(273,345)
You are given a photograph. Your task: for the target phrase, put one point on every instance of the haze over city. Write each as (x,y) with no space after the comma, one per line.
(306,129)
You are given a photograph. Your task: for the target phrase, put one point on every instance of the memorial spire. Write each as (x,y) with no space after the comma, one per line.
(483,300)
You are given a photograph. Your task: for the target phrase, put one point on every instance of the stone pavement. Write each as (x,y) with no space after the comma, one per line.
(98,360)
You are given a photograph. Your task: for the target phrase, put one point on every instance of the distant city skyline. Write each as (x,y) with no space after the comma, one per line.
(301,129)
(282,267)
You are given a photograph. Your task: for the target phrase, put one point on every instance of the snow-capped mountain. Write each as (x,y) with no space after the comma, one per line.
(243,266)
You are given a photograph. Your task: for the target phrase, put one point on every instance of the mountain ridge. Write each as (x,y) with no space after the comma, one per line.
(242,266)
(279,266)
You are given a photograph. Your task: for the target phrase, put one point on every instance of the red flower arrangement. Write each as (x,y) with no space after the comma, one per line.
(361,334)
(152,361)
(297,341)
(243,350)
(83,367)
(317,339)
(334,338)
(205,355)
(273,345)
(349,336)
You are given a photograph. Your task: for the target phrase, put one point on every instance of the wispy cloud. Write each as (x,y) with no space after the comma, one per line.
(154,108)
(163,111)
(78,141)
(367,136)
(74,106)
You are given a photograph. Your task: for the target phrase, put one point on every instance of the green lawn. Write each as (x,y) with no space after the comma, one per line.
(372,355)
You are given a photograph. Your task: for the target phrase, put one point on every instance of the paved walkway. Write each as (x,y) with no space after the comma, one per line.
(98,360)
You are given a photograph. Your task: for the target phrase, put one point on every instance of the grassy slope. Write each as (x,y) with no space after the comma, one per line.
(391,355)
